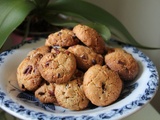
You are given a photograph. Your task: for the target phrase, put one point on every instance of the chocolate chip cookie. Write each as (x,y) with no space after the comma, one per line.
(85,56)
(57,67)
(28,75)
(101,85)
(62,38)
(40,50)
(90,38)
(122,62)
(71,95)
(45,93)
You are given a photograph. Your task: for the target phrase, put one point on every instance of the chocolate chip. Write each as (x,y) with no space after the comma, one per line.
(41,93)
(121,62)
(23,87)
(57,50)
(47,63)
(34,70)
(103,88)
(59,33)
(51,93)
(58,75)
(28,70)
(94,62)
(40,55)
(67,52)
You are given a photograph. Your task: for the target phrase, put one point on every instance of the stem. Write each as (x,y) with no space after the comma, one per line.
(27,30)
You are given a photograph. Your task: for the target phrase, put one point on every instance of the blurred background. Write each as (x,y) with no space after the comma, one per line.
(142,19)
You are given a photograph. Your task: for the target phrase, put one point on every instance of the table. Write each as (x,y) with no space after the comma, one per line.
(146,113)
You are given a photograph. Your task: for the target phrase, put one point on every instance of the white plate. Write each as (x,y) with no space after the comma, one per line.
(25,106)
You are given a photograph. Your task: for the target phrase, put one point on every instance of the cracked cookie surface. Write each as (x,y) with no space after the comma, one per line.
(45,93)
(122,62)
(85,57)
(62,38)
(42,50)
(90,38)
(71,95)
(28,75)
(57,67)
(101,85)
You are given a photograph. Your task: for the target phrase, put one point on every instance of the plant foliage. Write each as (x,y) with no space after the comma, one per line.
(66,13)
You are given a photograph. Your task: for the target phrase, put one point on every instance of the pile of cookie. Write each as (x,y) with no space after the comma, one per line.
(74,68)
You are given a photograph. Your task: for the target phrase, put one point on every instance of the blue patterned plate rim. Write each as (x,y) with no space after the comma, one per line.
(25,106)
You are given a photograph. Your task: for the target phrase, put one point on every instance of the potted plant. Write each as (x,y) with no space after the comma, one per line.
(17,14)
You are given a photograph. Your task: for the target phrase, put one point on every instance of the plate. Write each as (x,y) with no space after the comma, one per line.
(24,105)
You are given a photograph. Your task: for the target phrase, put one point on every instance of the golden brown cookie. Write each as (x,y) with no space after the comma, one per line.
(122,62)
(28,75)
(40,50)
(85,56)
(45,93)
(101,85)
(90,38)
(71,95)
(63,38)
(57,50)
(57,67)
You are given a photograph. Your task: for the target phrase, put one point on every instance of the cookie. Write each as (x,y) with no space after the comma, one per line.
(77,74)
(85,56)
(28,75)
(62,38)
(71,95)
(122,62)
(90,38)
(40,50)
(57,50)
(57,67)
(101,85)
(45,93)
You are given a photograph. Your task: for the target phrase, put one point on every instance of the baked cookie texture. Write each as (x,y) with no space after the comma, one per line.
(85,57)
(101,85)
(57,67)
(90,38)
(75,68)
(42,50)
(122,62)
(71,95)
(45,93)
(28,75)
(62,38)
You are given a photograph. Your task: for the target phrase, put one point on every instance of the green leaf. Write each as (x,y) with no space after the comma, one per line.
(101,29)
(64,18)
(13,12)
(68,21)
(96,14)
(58,21)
